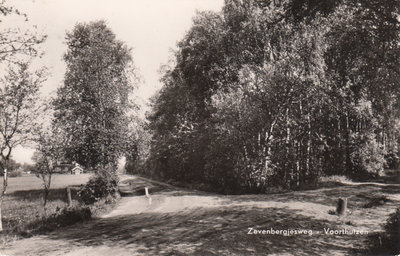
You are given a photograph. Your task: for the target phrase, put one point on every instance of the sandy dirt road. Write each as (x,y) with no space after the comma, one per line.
(179,222)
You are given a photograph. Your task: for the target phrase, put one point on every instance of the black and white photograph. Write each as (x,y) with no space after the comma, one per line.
(199,127)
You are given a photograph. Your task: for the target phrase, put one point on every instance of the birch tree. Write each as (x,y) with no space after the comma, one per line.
(94,104)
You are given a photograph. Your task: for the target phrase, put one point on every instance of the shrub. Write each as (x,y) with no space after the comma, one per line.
(376,201)
(71,215)
(368,156)
(104,183)
(65,217)
(61,218)
(15,173)
(392,159)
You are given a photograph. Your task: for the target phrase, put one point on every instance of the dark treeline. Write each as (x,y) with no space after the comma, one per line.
(277,93)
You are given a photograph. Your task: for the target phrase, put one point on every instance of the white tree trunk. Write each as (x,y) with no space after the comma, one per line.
(2,197)
(1,217)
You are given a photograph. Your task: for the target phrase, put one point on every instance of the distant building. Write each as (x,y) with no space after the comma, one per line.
(73,168)
(77,169)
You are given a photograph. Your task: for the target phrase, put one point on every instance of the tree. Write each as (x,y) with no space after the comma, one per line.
(137,150)
(49,141)
(45,157)
(18,99)
(18,89)
(15,43)
(94,104)
(12,165)
(364,82)
(278,93)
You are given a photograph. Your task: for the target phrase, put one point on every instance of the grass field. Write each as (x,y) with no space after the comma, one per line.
(23,203)
(31,182)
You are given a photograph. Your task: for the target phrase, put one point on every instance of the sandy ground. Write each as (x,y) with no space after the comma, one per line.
(178,222)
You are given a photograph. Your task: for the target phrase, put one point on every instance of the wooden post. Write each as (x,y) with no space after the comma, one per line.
(69,198)
(341,208)
(146,191)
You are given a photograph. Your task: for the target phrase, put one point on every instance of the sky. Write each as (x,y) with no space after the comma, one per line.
(151,27)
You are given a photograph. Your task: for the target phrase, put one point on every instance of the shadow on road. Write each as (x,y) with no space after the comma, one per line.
(222,231)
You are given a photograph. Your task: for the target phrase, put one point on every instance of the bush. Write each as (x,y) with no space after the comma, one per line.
(387,243)
(15,173)
(376,201)
(368,156)
(392,159)
(61,218)
(71,215)
(103,184)
(66,216)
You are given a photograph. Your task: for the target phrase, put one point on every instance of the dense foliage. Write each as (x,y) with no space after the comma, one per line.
(93,105)
(278,93)
(103,184)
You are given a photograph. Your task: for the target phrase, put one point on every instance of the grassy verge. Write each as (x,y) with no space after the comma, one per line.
(24,214)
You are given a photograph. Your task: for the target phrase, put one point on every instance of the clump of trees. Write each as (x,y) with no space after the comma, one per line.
(278,93)
(16,169)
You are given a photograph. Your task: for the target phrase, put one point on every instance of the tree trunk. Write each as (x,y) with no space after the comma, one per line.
(298,169)
(299,154)
(347,134)
(1,216)
(308,171)
(3,192)
(267,147)
(287,170)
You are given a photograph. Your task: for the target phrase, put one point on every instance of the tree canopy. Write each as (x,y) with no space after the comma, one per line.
(278,93)
(94,104)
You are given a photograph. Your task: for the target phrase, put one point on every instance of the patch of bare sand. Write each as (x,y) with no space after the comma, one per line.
(163,204)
